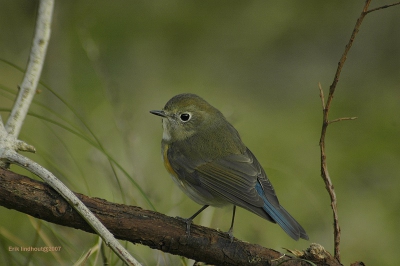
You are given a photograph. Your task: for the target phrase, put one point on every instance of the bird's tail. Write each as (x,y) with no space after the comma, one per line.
(286,221)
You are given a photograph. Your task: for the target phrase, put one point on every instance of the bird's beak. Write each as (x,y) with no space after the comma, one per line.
(159,113)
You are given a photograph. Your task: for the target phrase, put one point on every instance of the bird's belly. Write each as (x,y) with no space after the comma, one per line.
(196,193)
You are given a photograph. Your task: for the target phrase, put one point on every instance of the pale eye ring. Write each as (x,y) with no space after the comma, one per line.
(184,117)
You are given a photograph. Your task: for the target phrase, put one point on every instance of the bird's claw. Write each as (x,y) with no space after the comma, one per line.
(230,234)
(188,223)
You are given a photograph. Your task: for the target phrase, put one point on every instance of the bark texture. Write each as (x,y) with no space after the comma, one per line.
(136,225)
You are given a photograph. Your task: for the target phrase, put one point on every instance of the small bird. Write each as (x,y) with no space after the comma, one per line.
(208,161)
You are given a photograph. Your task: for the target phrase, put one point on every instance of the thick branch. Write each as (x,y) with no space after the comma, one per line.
(136,225)
(76,203)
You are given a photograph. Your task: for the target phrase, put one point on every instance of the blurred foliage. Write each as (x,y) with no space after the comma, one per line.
(259,62)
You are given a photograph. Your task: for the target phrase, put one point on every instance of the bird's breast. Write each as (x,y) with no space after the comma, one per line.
(166,130)
(167,164)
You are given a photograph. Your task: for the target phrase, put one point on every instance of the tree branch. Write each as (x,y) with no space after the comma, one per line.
(10,145)
(326,106)
(75,202)
(34,68)
(383,7)
(325,109)
(146,227)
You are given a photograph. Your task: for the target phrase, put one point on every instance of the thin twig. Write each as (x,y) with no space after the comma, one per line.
(34,69)
(326,122)
(344,57)
(342,119)
(321,95)
(324,168)
(382,7)
(9,143)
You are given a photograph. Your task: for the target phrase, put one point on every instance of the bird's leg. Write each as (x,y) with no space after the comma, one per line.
(189,220)
(230,231)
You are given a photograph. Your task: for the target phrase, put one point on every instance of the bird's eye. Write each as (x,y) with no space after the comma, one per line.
(185,117)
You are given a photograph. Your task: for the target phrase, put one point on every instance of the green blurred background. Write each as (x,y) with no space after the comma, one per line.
(259,62)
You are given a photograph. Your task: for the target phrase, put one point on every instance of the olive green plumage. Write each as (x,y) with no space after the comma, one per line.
(208,160)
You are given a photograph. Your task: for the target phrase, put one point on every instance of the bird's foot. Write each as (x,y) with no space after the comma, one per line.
(230,234)
(188,222)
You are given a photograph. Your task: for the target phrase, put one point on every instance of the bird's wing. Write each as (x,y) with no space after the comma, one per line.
(237,178)
(241,179)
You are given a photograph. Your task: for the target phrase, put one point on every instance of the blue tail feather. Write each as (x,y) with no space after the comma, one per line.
(282,217)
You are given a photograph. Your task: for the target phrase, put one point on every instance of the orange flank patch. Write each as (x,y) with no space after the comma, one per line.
(166,161)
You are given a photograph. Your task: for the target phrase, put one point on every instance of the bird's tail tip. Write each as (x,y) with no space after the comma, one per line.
(289,224)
